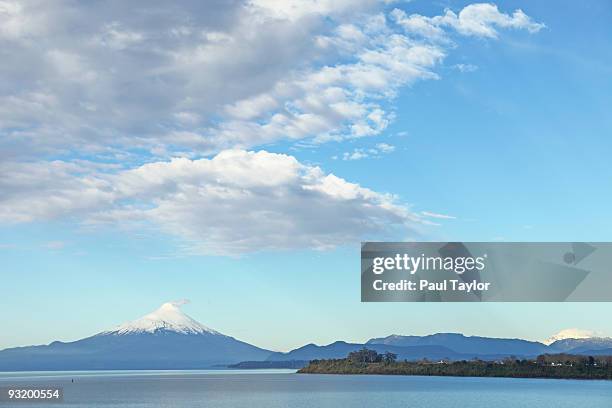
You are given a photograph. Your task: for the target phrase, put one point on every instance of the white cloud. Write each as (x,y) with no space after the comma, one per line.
(437,215)
(332,102)
(112,35)
(418,24)
(293,10)
(372,152)
(16,23)
(235,202)
(482,19)
(133,70)
(142,84)
(385,148)
(465,67)
(239,74)
(48,190)
(478,20)
(356,154)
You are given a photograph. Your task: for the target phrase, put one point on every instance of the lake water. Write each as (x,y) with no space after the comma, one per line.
(283,389)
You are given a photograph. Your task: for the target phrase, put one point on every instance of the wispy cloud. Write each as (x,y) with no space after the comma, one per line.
(364,153)
(437,215)
(465,67)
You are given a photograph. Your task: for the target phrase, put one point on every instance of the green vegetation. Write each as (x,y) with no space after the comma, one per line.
(545,366)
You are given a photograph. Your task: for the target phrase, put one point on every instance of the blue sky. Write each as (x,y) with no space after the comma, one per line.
(467,134)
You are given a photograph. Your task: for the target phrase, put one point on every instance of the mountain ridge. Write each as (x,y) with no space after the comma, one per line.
(466,344)
(167,338)
(339,349)
(454,346)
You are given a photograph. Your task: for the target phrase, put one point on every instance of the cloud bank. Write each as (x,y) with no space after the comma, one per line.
(139,113)
(236,202)
(193,78)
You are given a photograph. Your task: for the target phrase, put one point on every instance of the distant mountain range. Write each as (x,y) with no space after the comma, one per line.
(451,346)
(581,346)
(473,345)
(169,339)
(340,349)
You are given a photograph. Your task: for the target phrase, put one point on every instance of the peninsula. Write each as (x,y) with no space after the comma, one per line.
(565,366)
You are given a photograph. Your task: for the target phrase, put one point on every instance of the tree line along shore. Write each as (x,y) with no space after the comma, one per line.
(560,366)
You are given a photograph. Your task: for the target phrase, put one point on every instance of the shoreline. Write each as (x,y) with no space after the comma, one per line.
(547,366)
(457,376)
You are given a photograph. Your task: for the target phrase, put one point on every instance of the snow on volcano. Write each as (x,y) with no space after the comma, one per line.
(168,317)
(570,334)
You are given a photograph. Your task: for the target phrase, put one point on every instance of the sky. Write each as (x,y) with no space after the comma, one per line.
(236,154)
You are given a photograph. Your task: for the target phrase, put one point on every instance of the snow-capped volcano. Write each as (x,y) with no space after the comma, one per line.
(164,339)
(570,334)
(169,317)
(577,341)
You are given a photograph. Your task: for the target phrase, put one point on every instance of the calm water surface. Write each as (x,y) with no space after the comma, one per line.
(282,388)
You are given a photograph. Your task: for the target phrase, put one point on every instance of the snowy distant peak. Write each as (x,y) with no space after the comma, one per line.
(169,317)
(570,334)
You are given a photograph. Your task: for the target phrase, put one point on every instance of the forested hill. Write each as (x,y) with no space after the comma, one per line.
(564,366)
